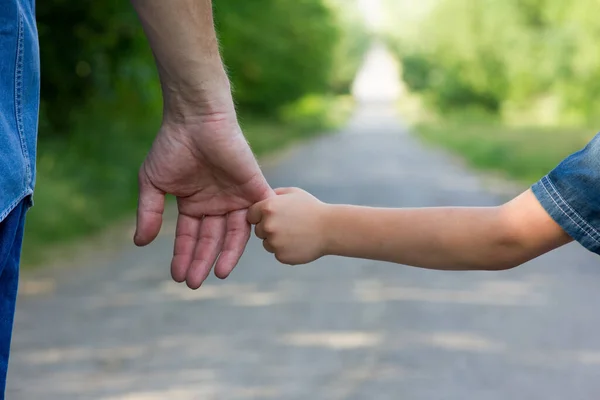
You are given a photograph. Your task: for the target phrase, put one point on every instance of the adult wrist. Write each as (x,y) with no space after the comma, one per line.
(205,99)
(180,108)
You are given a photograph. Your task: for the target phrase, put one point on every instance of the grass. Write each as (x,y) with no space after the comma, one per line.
(523,153)
(311,116)
(89,181)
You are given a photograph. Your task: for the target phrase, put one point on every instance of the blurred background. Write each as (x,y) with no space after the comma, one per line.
(391,93)
(290,62)
(490,80)
(510,85)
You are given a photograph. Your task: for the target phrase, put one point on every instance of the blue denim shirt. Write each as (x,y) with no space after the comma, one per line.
(571,195)
(19,101)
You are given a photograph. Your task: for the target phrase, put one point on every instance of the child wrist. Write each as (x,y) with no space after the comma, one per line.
(327,229)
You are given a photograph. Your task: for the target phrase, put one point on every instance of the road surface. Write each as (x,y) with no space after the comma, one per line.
(116,327)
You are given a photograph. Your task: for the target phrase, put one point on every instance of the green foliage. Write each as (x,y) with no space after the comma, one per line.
(90,52)
(101,102)
(89,180)
(316,113)
(510,57)
(514,151)
(416,72)
(276,50)
(352,45)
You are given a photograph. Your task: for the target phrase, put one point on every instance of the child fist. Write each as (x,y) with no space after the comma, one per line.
(291,224)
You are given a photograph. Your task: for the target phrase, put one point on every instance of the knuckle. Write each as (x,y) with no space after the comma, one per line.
(276,242)
(270,227)
(208,240)
(284,258)
(269,208)
(142,178)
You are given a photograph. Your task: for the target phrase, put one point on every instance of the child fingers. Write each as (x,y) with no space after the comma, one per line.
(259,231)
(286,190)
(268,247)
(255,213)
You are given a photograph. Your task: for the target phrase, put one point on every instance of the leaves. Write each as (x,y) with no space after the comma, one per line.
(502,55)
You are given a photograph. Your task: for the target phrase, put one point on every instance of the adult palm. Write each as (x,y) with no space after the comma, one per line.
(209,167)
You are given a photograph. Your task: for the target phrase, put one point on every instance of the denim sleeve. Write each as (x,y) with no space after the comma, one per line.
(571,195)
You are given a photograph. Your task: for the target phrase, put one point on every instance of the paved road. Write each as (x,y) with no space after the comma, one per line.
(115,327)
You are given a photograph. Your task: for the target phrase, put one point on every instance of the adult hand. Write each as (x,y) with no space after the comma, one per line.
(199,154)
(207,164)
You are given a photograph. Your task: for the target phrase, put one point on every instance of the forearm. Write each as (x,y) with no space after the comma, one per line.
(488,238)
(183,40)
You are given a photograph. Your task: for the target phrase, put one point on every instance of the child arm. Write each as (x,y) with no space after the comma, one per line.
(298,228)
(450,238)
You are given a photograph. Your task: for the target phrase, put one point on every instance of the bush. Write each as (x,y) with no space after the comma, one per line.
(513,53)
(101,103)
(276,50)
(89,52)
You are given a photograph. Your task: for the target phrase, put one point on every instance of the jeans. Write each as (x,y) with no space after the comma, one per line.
(570,193)
(19,102)
(11,239)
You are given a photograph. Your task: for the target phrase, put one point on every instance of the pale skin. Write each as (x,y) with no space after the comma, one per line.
(200,154)
(298,229)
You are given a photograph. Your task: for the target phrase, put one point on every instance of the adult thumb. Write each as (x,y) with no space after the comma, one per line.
(151,205)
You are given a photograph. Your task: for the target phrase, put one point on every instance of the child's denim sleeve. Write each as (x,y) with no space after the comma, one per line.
(571,195)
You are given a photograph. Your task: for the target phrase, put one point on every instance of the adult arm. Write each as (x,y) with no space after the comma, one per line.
(200,154)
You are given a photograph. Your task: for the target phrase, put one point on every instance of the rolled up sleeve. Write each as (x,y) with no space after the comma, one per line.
(570,194)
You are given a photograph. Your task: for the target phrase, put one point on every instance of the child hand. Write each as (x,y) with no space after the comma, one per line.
(291,225)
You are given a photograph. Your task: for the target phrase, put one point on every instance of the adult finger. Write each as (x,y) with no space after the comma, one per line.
(236,238)
(210,242)
(151,205)
(186,238)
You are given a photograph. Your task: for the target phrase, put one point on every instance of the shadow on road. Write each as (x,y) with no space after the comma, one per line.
(118,328)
